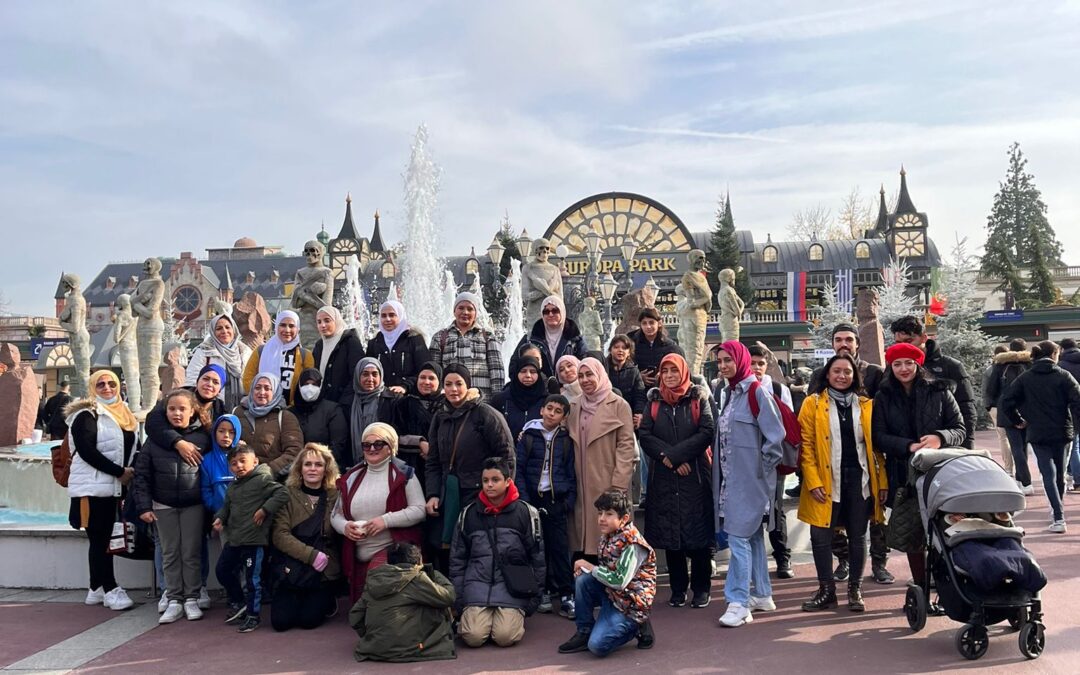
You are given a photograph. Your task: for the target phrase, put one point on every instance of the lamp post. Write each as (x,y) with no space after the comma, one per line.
(608,286)
(524,244)
(629,250)
(594,254)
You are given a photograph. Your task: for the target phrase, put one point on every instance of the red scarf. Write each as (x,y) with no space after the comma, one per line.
(509,498)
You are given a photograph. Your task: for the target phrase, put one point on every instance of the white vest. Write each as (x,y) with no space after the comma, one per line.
(85,480)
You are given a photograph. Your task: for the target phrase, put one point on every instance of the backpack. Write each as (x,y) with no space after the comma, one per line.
(695,409)
(792,443)
(61,461)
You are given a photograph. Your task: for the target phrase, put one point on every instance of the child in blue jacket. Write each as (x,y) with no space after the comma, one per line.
(214,474)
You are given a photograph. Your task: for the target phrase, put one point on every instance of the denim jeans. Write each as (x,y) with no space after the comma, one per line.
(1018,444)
(609,631)
(748,568)
(1051,459)
(1074,459)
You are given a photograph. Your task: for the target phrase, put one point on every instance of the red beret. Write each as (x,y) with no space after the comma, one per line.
(902,350)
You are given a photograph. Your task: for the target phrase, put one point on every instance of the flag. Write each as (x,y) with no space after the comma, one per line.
(938,305)
(845,290)
(796,296)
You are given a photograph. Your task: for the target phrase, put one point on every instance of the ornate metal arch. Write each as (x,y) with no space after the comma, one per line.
(618,215)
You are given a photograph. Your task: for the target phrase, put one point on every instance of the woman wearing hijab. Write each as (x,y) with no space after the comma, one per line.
(413,414)
(321,421)
(372,402)
(267,427)
(222,347)
(336,354)
(282,356)
(398,347)
(676,429)
(210,382)
(103,433)
(523,396)
(746,452)
(602,428)
(566,373)
(555,335)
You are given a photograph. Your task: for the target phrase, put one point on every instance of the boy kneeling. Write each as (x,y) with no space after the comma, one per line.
(497,561)
(622,584)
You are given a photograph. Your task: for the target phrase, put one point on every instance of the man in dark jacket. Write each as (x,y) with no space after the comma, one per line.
(494,533)
(845,340)
(651,344)
(909,329)
(52,416)
(1006,367)
(1070,363)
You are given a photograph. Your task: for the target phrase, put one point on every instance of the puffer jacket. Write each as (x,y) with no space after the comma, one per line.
(571,343)
(275,437)
(679,511)
(401,364)
(947,368)
(404,615)
(296,510)
(99,450)
(1006,367)
(161,432)
(474,571)
(486,435)
(630,385)
(533,451)
(324,421)
(337,382)
(1070,362)
(1043,397)
(257,490)
(162,475)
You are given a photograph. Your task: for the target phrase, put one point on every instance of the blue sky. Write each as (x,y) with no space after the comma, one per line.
(150,128)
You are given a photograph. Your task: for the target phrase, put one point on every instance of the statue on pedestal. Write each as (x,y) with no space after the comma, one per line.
(313,289)
(73,320)
(125,337)
(539,279)
(146,304)
(731,306)
(632,304)
(694,316)
(871,339)
(591,326)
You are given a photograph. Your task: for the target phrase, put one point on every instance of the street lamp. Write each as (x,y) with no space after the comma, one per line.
(495,251)
(594,254)
(524,244)
(629,250)
(608,285)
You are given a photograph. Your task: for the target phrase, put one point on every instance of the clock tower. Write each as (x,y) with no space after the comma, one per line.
(905,229)
(347,244)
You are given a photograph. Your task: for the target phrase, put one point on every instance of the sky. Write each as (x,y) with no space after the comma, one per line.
(151,128)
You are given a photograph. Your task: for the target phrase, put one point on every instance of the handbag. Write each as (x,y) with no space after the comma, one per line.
(450,505)
(519,579)
(131,537)
(295,574)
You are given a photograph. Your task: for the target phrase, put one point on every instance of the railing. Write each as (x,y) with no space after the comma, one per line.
(752,316)
(26,321)
(1057,273)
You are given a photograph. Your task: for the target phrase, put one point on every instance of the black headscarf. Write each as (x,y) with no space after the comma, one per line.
(522,396)
(437,369)
(457,369)
(312,376)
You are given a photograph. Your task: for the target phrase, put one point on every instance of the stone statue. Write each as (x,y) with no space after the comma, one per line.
(216,307)
(731,306)
(125,337)
(171,371)
(19,397)
(73,320)
(632,304)
(252,317)
(694,315)
(312,290)
(773,369)
(591,326)
(539,279)
(146,305)
(871,339)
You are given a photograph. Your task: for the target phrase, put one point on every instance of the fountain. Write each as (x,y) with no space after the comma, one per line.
(392,294)
(355,310)
(515,322)
(483,319)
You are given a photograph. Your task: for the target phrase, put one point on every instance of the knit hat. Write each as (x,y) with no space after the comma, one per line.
(845,327)
(471,298)
(458,369)
(902,350)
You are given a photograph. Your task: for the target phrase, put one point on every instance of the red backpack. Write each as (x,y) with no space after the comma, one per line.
(792,443)
(695,409)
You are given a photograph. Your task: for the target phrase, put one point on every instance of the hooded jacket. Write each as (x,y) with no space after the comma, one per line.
(1043,397)
(1006,367)
(162,475)
(629,383)
(275,437)
(947,368)
(257,490)
(1070,362)
(485,435)
(404,615)
(214,474)
(323,421)
(402,363)
(297,509)
(571,343)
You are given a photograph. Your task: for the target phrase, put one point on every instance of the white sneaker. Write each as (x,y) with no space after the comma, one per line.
(736,615)
(118,599)
(1027,489)
(204,599)
(95,596)
(191,610)
(163,603)
(765,604)
(1058,527)
(173,612)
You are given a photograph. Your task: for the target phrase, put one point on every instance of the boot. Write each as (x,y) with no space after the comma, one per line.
(854,598)
(825,598)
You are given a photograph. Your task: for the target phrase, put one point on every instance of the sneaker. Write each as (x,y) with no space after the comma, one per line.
(204,599)
(172,613)
(578,643)
(545,604)
(1028,490)
(236,614)
(191,609)
(566,607)
(794,492)
(163,603)
(677,599)
(118,599)
(1058,527)
(95,596)
(645,636)
(765,604)
(736,615)
(883,576)
(700,600)
(843,570)
(250,624)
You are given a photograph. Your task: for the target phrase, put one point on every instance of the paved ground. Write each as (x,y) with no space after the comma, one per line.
(53,631)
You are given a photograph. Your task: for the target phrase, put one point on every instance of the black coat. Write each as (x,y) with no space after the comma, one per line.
(900,420)
(1070,362)
(324,422)
(401,364)
(1006,367)
(679,511)
(870,374)
(485,435)
(162,476)
(571,343)
(52,415)
(337,383)
(630,385)
(947,368)
(1043,397)
(647,355)
(519,403)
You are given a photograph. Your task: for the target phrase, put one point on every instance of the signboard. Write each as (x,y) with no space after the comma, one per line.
(579,265)
(38,345)
(824,354)
(1004,315)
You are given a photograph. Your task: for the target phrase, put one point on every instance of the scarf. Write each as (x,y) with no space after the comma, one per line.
(571,390)
(390,337)
(741,356)
(509,498)
(522,396)
(254,411)
(674,395)
(844,398)
(437,369)
(272,357)
(329,344)
(365,407)
(230,353)
(590,403)
(554,335)
(115,407)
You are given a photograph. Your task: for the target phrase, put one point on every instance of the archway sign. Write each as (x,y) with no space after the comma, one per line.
(663,240)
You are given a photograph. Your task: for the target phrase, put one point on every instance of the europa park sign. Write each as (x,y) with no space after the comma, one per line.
(648,264)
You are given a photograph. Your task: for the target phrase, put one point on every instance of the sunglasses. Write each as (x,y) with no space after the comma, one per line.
(546,312)
(377,445)
(105,384)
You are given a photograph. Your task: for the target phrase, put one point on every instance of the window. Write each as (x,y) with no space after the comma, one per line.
(472,266)
(388,270)
(862,250)
(817,252)
(768,254)
(187,300)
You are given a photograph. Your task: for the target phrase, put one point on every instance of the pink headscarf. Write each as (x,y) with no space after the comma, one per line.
(590,403)
(741,356)
(572,390)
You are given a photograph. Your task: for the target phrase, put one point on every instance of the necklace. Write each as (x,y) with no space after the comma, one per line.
(842,412)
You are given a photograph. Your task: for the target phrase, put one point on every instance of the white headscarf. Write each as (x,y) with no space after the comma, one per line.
(273,352)
(330,343)
(553,336)
(390,337)
(230,353)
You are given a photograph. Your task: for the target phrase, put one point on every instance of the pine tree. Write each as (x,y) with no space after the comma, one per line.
(893,299)
(832,313)
(724,253)
(1019,236)
(1042,290)
(494,294)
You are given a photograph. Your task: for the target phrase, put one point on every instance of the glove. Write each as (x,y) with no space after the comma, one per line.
(321,561)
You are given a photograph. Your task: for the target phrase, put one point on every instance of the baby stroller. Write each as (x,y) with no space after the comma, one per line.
(967,498)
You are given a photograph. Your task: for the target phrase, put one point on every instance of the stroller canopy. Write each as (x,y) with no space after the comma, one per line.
(969,484)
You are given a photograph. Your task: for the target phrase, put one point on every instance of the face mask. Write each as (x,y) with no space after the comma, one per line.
(310,392)
(108,401)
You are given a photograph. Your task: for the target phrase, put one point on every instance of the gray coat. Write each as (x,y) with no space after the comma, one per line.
(755,451)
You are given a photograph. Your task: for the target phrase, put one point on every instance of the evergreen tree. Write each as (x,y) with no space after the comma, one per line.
(1019,236)
(1042,290)
(494,294)
(893,299)
(832,313)
(724,253)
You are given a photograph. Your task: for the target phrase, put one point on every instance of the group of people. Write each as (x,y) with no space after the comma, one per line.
(446,501)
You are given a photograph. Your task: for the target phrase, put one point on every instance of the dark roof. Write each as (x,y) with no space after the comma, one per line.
(882,223)
(794,256)
(348,231)
(226,280)
(376,238)
(60,292)
(904,203)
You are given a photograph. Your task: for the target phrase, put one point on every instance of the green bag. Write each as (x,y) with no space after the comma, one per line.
(450,506)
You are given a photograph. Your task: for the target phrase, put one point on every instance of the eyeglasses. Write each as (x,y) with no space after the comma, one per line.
(105,384)
(377,445)
(547,312)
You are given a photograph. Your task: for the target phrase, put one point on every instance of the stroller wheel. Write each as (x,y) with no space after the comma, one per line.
(915,608)
(972,641)
(1032,640)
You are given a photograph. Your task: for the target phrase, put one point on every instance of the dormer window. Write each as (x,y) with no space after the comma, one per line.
(768,254)
(816,252)
(110,283)
(275,276)
(388,270)
(133,282)
(862,250)
(472,266)
(249,278)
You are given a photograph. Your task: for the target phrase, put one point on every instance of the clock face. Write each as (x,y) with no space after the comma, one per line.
(909,244)
(908,220)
